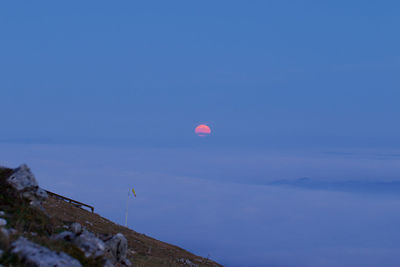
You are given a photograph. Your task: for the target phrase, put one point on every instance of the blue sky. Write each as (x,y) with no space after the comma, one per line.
(291,89)
(266,71)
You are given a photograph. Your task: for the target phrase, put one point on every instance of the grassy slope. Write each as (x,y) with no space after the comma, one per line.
(148,251)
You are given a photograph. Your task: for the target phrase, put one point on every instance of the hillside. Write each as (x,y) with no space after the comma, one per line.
(37,229)
(144,250)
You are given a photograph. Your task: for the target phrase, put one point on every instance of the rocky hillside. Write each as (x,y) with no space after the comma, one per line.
(41,230)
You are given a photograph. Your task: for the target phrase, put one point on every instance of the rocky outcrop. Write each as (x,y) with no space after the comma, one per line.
(89,244)
(85,241)
(33,254)
(112,247)
(117,247)
(24,182)
(20,183)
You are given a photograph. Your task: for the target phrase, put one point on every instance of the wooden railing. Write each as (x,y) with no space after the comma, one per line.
(73,202)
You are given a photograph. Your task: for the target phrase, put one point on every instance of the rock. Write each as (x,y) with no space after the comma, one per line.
(42,194)
(89,244)
(3,222)
(105,237)
(85,241)
(2,213)
(4,233)
(187,262)
(108,263)
(76,228)
(114,248)
(23,180)
(126,262)
(66,235)
(35,255)
(118,247)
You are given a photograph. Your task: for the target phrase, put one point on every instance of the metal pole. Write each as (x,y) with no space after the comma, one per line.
(126,212)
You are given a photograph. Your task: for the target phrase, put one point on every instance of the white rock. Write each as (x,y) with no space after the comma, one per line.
(117,246)
(35,255)
(2,213)
(3,222)
(23,180)
(86,241)
(66,236)
(89,244)
(76,228)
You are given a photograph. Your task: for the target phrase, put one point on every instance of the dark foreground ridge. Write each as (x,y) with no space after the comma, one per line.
(40,229)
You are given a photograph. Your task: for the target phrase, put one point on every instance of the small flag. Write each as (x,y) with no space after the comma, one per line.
(133,191)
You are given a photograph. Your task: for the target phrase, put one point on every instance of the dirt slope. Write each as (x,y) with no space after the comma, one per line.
(143,250)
